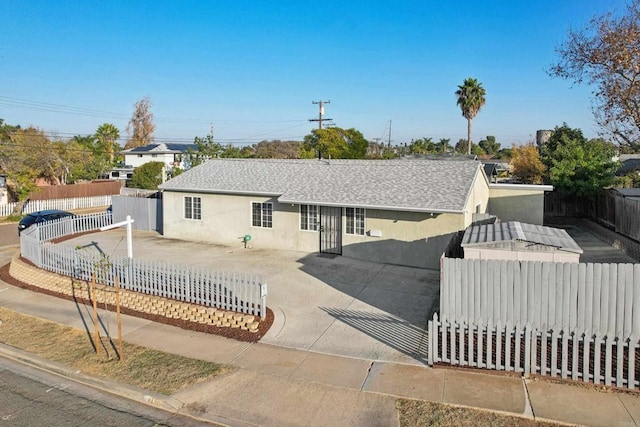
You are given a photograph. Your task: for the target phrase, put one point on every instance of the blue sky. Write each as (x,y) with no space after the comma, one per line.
(253,68)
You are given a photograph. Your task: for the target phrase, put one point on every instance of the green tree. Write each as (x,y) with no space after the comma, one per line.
(234,152)
(141,127)
(470,98)
(17,163)
(444,146)
(526,164)
(147,176)
(337,143)
(462,146)
(206,148)
(277,149)
(577,166)
(605,55)
(422,146)
(107,136)
(96,160)
(489,145)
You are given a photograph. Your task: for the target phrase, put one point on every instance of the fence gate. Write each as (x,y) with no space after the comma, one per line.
(331,230)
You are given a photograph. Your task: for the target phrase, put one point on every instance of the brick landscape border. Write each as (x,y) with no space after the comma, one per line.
(229,324)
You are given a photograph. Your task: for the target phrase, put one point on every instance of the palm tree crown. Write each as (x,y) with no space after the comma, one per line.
(470,100)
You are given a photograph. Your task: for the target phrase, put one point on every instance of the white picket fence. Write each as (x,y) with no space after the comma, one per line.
(577,355)
(596,298)
(63,204)
(230,291)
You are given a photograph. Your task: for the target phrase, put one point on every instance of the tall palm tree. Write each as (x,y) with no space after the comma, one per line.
(470,99)
(107,135)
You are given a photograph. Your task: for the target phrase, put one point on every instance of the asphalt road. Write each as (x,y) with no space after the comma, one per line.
(31,397)
(9,234)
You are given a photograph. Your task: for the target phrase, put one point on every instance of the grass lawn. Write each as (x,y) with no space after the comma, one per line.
(150,369)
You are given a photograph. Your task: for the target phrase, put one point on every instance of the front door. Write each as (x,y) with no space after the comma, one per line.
(330,230)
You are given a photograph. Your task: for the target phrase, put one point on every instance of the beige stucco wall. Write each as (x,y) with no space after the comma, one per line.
(478,198)
(408,238)
(517,203)
(416,239)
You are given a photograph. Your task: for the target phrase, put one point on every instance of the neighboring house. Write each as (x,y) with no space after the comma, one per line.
(519,241)
(389,211)
(172,155)
(629,163)
(4,192)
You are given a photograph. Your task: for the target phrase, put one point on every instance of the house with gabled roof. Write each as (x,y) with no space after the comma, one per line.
(172,155)
(389,211)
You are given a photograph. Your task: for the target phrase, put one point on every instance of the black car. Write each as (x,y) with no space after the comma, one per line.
(41,216)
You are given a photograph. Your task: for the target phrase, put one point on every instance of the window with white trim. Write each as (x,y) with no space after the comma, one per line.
(309,217)
(262,214)
(355,221)
(192,207)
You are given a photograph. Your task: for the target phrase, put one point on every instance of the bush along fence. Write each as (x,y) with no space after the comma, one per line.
(574,355)
(236,292)
(578,321)
(64,204)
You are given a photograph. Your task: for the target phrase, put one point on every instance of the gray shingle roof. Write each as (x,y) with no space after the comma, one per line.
(420,185)
(481,235)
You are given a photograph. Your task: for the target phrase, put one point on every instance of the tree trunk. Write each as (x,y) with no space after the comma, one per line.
(468,136)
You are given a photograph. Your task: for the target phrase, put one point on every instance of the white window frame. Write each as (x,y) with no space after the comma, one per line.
(309,219)
(192,208)
(358,217)
(266,215)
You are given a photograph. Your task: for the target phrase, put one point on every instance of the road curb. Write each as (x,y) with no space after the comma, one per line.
(137,394)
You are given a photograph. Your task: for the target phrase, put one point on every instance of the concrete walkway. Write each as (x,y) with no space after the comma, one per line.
(278,385)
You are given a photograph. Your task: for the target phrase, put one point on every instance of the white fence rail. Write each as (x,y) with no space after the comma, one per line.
(579,356)
(64,204)
(230,291)
(596,298)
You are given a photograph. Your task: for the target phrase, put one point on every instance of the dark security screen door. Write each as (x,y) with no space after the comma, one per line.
(330,230)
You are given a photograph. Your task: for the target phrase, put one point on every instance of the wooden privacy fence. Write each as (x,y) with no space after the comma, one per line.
(577,355)
(596,298)
(230,291)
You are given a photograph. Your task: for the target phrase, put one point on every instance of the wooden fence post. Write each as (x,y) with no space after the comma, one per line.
(94,302)
(117,286)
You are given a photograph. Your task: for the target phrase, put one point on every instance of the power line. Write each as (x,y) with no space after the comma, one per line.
(320,113)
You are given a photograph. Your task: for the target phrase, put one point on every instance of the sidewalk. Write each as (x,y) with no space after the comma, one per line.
(283,386)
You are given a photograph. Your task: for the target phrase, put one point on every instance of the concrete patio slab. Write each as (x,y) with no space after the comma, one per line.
(332,305)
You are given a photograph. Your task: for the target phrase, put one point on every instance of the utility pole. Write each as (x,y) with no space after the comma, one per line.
(389,143)
(321,113)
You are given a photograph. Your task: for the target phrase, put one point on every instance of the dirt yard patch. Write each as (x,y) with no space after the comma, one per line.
(150,369)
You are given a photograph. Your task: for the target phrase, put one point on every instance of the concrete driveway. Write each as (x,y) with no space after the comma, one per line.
(330,305)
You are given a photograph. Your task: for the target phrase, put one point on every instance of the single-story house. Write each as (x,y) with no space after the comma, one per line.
(514,240)
(389,211)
